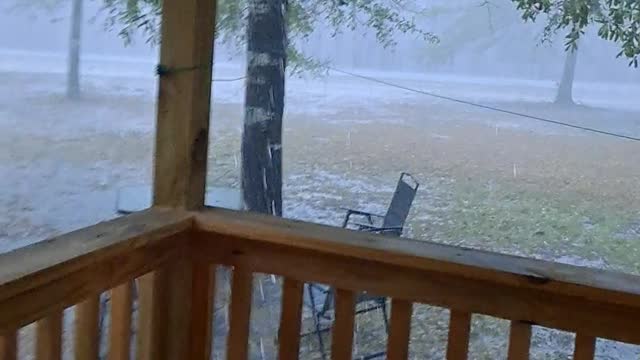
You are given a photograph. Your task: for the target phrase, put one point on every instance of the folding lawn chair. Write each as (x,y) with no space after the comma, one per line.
(320,298)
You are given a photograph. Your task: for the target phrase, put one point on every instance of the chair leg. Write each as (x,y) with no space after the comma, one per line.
(134,295)
(383,306)
(374,356)
(104,303)
(316,320)
(320,340)
(345,221)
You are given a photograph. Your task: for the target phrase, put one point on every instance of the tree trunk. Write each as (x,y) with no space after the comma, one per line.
(565,90)
(73,69)
(264,106)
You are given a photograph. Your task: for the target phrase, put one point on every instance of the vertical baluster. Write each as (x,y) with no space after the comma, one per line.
(289,332)
(120,329)
(8,346)
(342,339)
(86,330)
(202,300)
(241,290)
(519,340)
(152,315)
(585,347)
(49,337)
(459,329)
(398,344)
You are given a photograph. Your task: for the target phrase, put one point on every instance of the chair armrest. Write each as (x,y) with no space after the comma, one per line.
(380,230)
(369,216)
(359,212)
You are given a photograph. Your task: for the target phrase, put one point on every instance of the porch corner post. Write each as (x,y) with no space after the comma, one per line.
(174,308)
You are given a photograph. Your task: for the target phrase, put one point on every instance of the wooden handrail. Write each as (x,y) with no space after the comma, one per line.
(538,292)
(38,282)
(54,274)
(614,287)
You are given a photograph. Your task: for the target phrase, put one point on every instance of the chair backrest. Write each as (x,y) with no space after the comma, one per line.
(401,202)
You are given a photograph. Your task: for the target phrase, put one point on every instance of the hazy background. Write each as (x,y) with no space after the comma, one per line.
(489,40)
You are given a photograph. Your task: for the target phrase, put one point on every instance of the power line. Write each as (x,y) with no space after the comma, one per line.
(229,79)
(164,70)
(487,107)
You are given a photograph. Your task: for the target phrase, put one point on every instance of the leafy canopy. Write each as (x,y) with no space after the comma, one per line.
(385,18)
(617,21)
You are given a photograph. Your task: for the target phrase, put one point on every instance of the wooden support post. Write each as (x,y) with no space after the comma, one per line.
(178,325)
(87,342)
(190,297)
(180,167)
(182,133)
(398,343)
(289,332)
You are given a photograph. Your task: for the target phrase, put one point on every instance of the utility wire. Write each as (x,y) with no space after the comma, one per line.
(163,70)
(487,107)
(229,79)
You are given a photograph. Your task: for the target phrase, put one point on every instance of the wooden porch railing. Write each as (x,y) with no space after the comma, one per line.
(176,251)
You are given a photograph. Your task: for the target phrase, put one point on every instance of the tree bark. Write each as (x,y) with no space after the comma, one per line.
(264,107)
(565,90)
(73,66)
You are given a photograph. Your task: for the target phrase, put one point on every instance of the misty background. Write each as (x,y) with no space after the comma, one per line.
(477,38)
